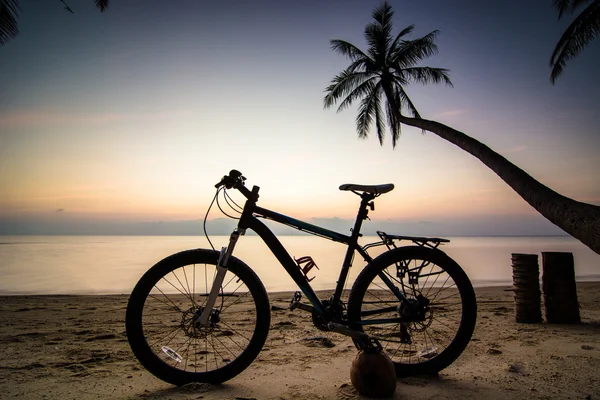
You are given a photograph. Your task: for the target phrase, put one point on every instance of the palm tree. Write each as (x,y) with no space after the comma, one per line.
(8,20)
(9,13)
(584,29)
(378,78)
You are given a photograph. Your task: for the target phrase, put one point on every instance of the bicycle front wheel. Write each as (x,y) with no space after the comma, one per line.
(419,304)
(164,307)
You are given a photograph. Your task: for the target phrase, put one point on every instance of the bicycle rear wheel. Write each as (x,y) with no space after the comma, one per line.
(438,317)
(169,298)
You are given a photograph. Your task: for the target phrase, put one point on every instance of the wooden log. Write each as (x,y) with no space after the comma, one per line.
(526,288)
(560,291)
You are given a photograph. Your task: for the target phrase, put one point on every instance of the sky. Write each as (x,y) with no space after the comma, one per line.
(123,121)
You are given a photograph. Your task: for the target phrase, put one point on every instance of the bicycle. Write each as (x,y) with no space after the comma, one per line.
(203,315)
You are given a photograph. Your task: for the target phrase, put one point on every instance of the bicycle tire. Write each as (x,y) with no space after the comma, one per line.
(445,329)
(170,295)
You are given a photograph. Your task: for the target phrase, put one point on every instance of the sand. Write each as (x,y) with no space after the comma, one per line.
(75,347)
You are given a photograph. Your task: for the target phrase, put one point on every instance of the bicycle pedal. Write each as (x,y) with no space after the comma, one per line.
(295,303)
(295,300)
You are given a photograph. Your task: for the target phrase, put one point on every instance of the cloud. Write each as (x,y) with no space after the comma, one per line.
(60,210)
(55,117)
(450,113)
(50,117)
(516,149)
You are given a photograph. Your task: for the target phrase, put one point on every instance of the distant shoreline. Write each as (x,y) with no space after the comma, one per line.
(502,286)
(99,265)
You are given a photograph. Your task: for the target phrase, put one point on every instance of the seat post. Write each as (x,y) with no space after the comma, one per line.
(363,212)
(360,217)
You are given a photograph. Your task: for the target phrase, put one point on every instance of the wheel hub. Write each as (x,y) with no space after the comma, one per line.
(416,313)
(190,322)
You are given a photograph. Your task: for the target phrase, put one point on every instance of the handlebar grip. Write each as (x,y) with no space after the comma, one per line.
(221,182)
(236,180)
(234,174)
(230,180)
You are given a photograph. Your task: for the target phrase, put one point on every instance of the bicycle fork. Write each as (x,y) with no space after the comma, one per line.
(219,277)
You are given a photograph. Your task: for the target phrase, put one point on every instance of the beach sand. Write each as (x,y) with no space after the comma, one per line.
(75,347)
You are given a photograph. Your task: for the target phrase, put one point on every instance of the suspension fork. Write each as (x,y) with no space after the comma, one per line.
(220,276)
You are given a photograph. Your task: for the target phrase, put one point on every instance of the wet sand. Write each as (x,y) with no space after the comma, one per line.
(75,347)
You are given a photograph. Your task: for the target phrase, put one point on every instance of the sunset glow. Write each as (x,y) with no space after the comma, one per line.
(134,114)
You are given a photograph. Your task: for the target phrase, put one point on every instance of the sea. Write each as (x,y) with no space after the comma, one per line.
(113,264)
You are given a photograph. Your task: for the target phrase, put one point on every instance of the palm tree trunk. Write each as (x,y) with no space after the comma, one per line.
(580,220)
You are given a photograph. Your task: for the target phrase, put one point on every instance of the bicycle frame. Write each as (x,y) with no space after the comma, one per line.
(249,220)
(290,265)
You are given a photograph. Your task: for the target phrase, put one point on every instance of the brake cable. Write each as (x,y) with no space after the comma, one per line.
(223,211)
(206,217)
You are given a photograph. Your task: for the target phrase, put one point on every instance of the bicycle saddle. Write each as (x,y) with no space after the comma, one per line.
(374,189)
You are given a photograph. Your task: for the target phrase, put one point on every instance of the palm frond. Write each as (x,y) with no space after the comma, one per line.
(361,65)
(366,112)
(563,6)
(9,13)
(69,9)
(379,122)
(383,20)
(376,41)
(584,29)
(343,84)
(396,41)
(102,5)
(379,33)
(347,49)
(392,111)
(405,102)
(426,75)
(410,52)
(362,90)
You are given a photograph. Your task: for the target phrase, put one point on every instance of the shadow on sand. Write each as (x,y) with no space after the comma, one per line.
(177,392)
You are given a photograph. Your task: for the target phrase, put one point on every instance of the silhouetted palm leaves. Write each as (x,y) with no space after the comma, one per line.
(102,5)
(584,29)
(9,28)
(381,74)
(9,13)
(378,77)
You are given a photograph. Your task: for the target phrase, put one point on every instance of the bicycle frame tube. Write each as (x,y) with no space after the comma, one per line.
(248,220)
(301,225)
(286,260)
(351,241)
(221,271)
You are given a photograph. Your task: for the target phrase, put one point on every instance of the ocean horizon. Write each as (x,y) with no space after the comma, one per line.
(88,264)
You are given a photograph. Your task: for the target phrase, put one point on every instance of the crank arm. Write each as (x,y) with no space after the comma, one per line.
(362,341)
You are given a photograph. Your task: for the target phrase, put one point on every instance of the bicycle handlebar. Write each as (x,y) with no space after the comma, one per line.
(231,180)
(235,180)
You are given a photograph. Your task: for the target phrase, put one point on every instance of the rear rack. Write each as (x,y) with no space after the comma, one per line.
(390,241)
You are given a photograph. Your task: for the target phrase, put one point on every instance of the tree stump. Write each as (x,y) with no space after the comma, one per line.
(560,291)
(373,374)
(526,288)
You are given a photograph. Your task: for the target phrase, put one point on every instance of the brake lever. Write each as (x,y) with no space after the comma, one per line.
(230,180)
(221,182)
(234,177)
